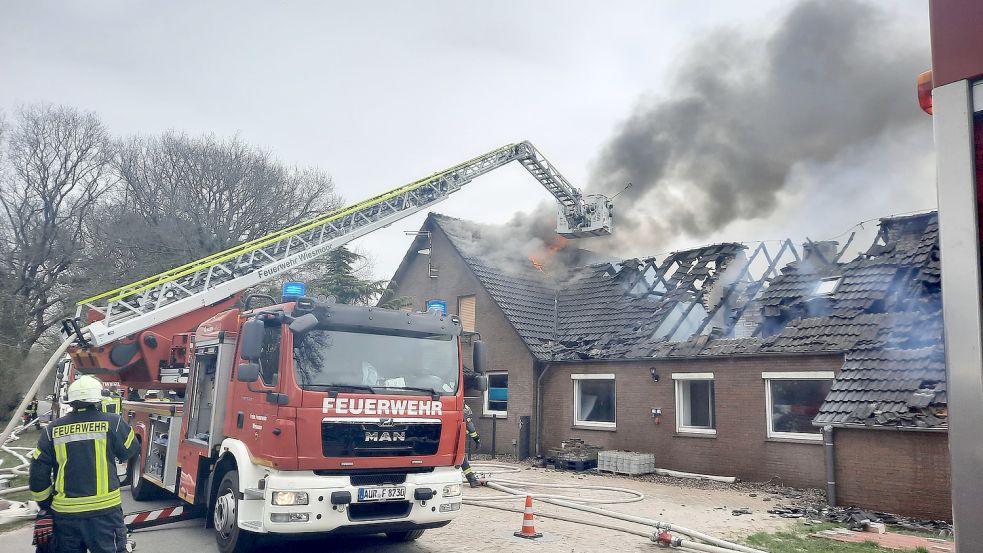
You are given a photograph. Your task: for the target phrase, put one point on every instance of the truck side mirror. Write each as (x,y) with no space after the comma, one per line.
(248,372)
(303,323)
(252,340)
(481,382)
(479,359)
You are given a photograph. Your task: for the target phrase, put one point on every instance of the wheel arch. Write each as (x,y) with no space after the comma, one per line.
(234,456)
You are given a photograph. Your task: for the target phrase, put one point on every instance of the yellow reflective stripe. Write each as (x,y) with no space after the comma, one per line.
(36,453)
(41,495)
(102,474)
(129,439)
(66,506)
(468,470)
(61,456)
(88,498)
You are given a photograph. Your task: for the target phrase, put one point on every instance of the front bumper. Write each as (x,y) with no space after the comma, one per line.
(256,514)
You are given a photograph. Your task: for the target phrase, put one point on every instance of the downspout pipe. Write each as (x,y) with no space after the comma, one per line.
(545,369)
(539,407)
(830,465)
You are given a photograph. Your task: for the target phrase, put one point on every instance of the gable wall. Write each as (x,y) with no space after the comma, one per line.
(506,351)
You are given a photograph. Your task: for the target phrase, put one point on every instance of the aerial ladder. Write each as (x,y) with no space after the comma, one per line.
(143,304)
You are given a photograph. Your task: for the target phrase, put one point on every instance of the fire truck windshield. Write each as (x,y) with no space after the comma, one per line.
(383,363)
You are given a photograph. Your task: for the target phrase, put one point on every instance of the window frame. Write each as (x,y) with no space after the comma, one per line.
(836,280)
(275,332)
(768,377)
(678,379)
(474,312)
(593,425)
(485,410)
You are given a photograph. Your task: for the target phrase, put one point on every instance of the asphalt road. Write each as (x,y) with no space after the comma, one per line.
(485,530)
(191,536)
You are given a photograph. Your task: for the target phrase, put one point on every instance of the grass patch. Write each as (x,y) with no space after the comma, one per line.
(797,540)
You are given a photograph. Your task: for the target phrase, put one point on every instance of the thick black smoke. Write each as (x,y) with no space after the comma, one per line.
(745,109)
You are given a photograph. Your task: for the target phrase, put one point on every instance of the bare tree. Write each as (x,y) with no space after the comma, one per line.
(182,197)
(54,166)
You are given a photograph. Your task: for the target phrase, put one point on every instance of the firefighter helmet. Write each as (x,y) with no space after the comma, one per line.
(87,389)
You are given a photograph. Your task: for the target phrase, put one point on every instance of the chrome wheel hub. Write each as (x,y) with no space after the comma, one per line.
(225,514)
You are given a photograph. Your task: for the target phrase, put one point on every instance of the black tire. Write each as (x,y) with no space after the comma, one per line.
(228,536)
(409,535)
(140,489)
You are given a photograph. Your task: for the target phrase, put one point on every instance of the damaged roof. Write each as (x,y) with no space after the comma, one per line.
(889,296)
(675,308)
(599,310)
(888,387)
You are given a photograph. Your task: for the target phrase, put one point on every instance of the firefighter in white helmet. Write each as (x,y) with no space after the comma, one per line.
(73,475)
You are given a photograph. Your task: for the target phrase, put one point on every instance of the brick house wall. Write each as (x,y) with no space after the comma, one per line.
(506,350)
(740,447)
(893,471)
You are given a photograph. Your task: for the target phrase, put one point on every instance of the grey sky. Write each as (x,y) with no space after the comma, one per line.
(379,96)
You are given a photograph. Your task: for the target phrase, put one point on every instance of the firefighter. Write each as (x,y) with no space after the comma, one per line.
(473,434)
(111,402)
(31,413)
(73,476)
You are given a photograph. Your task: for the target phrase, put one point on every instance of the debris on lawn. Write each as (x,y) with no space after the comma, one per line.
(859,519)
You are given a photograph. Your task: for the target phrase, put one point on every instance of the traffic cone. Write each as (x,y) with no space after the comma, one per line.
(528,523)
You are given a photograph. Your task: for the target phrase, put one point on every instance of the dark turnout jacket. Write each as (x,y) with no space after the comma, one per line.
(74,464)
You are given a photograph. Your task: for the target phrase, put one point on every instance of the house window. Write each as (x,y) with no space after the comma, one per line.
(826,286)
(695,409)
(465,309)
(497,395)
(792,400)
(594,400)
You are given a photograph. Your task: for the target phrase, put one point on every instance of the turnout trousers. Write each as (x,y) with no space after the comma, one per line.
(102,533)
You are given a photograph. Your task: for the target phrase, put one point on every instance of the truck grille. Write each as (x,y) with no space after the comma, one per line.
(378,479)
(362,439)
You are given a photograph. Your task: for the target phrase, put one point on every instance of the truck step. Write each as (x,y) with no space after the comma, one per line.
(251,524)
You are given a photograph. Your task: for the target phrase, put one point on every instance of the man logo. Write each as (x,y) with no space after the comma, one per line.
(387,423)
(385,436)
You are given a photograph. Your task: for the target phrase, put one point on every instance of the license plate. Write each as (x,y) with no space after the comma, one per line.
(386,493)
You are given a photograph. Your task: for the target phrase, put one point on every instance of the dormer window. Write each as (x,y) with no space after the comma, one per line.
(826,286)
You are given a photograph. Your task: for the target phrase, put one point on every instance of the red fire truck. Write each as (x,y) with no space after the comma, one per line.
(298,417)
(294,416)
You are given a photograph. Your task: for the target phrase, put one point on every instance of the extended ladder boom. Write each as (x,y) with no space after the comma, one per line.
(151,301)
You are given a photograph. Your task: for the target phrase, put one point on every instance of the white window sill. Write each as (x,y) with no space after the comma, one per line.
(703,432)
(495,414)
(603,426)
(792,437)
(695,435)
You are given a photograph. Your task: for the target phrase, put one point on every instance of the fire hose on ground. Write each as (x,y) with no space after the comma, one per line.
(20,453)
(516,489)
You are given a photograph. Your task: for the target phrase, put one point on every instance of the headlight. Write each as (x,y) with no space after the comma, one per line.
(290,498)
(452,490)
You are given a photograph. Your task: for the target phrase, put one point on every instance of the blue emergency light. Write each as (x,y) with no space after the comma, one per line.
(293,290)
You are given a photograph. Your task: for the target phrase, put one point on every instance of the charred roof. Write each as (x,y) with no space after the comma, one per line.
(880,307)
